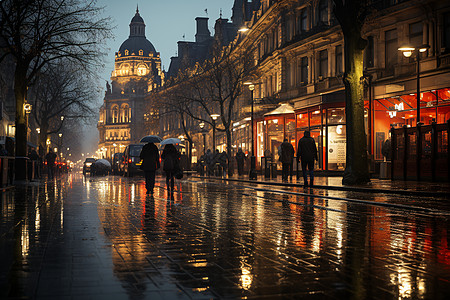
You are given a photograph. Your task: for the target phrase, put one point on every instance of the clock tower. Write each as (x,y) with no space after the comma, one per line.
(137,71)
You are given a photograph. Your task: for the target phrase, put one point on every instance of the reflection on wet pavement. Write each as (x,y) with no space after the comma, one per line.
(103,236)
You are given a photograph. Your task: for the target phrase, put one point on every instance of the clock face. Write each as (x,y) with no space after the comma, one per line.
(142,70)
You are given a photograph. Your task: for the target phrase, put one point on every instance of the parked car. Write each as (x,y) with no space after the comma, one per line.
(131,159)
(116,163)
(87,165)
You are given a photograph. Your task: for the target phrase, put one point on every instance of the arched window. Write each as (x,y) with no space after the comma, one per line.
(142,70)
(125,113)
(125,69)
(115,114)
(126,52)
(141,52)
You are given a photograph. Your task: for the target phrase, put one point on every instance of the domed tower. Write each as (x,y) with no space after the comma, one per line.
(137,71)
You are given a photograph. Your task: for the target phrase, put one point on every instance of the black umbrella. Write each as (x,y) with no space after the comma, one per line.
(151,139)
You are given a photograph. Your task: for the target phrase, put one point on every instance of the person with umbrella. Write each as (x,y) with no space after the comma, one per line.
(171,158)
(150,163)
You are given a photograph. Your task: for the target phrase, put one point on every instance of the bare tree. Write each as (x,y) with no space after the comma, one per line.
(351,15)
(36,32)
(62,92)
(213,87)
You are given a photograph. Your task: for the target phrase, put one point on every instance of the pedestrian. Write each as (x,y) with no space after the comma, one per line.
(386,149)
(215,163)
(307,152)
(150,163)
(50,158)
(287,159)
(208,162)
(223,161)
(34,159)
(240,158)
(171,158)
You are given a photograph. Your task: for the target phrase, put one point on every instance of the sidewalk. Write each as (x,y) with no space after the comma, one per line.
(437,189)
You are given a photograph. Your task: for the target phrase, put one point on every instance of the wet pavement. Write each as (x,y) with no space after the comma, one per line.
(104,238)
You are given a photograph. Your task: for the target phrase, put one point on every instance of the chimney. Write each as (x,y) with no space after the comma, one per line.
(202,29)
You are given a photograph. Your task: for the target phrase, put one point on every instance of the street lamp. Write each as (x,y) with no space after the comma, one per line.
(252,174)
(408,51)
(202,125)
(214,117)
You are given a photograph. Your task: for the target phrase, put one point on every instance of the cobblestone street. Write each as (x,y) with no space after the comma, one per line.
(104,238)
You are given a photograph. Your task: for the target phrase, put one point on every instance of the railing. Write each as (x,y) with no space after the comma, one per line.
(421,153)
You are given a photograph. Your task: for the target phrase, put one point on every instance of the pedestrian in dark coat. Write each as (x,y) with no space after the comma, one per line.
(287,159)
(208,161)
(50,158)
(240,158)
(307,152)
(150,163)
(171,158)
(223,161)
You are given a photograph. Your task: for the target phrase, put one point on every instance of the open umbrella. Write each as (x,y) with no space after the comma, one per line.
(151,139)
(171,141)
(103,162)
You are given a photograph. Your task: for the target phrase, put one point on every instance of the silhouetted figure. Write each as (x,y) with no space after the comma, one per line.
(307,152)
(287,158)
(171,158)
(240,159)
(50,158)
(150,163)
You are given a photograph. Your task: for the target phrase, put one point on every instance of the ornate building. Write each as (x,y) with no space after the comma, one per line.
(137,71)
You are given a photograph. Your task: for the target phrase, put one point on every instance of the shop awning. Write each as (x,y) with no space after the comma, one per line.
(281,110)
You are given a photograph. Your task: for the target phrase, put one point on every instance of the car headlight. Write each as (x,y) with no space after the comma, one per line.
(88,164)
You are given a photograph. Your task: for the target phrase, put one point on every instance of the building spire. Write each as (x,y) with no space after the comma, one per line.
(137,8)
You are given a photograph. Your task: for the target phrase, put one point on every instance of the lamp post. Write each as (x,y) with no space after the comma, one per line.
(202,126)
(60,139)
(252,174)
(214,117)
(408,51)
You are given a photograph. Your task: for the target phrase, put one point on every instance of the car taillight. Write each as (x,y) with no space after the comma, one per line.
(129,161)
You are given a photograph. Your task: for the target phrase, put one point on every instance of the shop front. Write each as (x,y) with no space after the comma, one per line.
(401,111)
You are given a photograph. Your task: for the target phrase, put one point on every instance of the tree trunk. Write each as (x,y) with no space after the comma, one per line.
(230,159)
(20,90)
(356,170)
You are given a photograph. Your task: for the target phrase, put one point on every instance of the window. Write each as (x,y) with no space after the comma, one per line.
(126,52)
(391,50)
(124,114)
(323,11)
(115,114)
(290,28)
(304,21)
(304,70)
(323,64)
(446,32)
(141,52)
(416,34)
(369,53)
(339,60)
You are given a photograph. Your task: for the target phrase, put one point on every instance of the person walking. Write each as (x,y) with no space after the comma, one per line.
(50,158)
(307,152)
(150,163)
(287,159)
(208,162)
(171,158)
(240,158)
(223,161)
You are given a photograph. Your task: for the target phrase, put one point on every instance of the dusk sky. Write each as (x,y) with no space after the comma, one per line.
(166,23)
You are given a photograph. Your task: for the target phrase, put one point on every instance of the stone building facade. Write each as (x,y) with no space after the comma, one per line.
(137,71)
